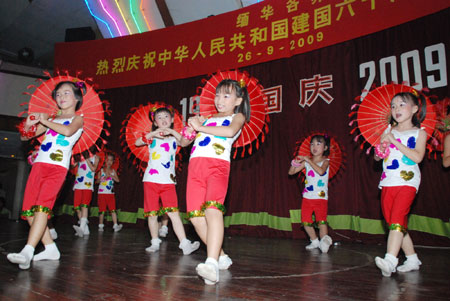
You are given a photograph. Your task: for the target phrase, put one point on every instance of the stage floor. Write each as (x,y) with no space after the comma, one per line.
(114,266)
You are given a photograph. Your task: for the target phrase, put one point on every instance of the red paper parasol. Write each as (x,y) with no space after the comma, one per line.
(136,123)
(374,112)
(336,155)
(92,110)
(255,129)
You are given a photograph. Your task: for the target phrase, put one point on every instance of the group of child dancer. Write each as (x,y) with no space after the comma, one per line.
(402,147)
(84,187)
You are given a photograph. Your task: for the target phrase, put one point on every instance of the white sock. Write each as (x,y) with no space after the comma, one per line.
(210,276)
(51,252)
(28,251)
(392,259)
(83,222)
(23,258)
(413,258)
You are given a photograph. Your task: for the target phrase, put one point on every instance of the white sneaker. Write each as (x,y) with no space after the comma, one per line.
(188,247)
(154,246)
(409,265)
(117,227)
(386,267)
(325,244)
(225,262)
(53,233)
(209,271)
(315,244)
(20,259)
(163,231)
(101,227)
(78,231)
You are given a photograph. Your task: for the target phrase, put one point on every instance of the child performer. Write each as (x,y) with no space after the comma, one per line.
(402,148)
(209,170)
(49,169)
(83,188)
(159,179)
(315,193)
(106,198)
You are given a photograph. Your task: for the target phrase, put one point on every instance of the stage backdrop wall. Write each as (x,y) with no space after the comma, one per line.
(262,199)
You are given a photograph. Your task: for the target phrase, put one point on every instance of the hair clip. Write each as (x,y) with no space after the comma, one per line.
(415,93)
(78,83)
(242,83)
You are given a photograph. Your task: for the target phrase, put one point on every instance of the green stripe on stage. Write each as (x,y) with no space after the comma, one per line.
(420,223)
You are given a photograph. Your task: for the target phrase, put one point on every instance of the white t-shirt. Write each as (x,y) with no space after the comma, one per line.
(210,146)
(85,176)
(56,148)
(161,163)
(106,185)
(316,186)
(398,169)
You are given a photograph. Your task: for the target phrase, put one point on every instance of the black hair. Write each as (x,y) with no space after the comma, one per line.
(77,92)
(152,116)
(418,100)
(324,139)
(229,85)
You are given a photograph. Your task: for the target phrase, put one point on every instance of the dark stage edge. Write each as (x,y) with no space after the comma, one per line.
(114,266)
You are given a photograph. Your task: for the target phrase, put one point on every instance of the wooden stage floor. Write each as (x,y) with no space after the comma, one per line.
(114,266)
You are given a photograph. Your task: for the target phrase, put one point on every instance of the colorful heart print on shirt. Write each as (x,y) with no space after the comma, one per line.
(165,146)
(394,165)
(89,175)
(218,148)
(407,175)
(57,156)
(408,161)
(393,146)
(155,156)
(153,143)
(83,166)
(411,143)
(61,140)
(153,171)
(205,141)
(167,165)
(52,132)
(45,147)
(311,174)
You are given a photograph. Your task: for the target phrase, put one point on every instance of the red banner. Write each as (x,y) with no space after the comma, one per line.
(266,31)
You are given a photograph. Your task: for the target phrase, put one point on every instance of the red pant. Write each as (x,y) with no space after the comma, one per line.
(82,197)
(154,191)
(207,181)
(106,200)
(43,185)
(318,206)
(396,202)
